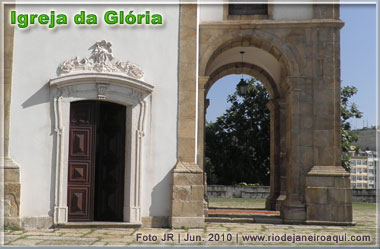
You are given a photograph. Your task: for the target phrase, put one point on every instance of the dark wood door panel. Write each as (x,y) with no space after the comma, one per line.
(78,203)
(81,161)
(79,172)
(82,113)
(80,142)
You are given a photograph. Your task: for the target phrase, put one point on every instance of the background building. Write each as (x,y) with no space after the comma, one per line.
(367,138)
(363,169)
(364,161)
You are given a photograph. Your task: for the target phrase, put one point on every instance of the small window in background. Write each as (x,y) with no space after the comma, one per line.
(248,9)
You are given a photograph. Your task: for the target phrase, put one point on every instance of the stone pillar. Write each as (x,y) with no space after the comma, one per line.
(202,80)
(299,148)
(328,191)
(12,184)
(187,196)
(273,107)
(283,154)
(328,196)
(188,190)
(12,193)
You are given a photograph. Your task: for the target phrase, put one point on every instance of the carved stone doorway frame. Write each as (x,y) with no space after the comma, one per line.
(132,93)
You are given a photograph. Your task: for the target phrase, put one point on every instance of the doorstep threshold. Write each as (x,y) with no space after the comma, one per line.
(98,224)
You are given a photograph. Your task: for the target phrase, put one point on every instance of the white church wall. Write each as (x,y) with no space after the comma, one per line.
(37,53)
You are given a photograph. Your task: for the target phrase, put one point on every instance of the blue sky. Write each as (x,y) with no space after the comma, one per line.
(358,65)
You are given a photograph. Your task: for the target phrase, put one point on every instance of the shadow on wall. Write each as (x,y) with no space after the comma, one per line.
(161,202)
(39,97)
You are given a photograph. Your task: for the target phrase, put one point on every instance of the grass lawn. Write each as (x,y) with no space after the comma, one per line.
(358,207)
(364,215)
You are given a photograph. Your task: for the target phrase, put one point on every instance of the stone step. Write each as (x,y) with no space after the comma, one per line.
(212,212)
(99,224)
(245,219)
(228,220)
(227,215)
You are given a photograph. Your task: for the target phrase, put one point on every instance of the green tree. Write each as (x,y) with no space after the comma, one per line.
(237,144)
(348,110)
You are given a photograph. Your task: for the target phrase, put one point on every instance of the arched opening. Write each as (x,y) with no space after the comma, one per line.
(237,134)
(268,69)
(96,161)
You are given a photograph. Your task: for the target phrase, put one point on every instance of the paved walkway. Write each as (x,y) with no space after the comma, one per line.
(213,234)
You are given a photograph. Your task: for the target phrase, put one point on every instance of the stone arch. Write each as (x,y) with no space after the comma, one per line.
(244,68)
(275,106)
(290,64)
(288,57)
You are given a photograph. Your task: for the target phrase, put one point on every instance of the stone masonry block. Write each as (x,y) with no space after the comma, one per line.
(181,192)
(197,193)
(319,181)
(342,182)
(187,208)
(186,147)
(329,213)
(187,179)
(187,222)
(12,188)
(341,213)
(318,212)
(11,175)
(339,195)
(316,195)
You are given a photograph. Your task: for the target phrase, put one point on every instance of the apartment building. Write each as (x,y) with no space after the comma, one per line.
(363,169)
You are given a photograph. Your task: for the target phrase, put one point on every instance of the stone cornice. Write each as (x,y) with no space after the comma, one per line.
(254,24)
(106,78)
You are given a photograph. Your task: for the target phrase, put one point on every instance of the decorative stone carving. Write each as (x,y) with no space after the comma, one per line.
(102,89)
(11,208)
(100,61)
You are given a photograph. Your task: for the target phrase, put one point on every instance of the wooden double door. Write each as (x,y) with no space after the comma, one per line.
(96,161)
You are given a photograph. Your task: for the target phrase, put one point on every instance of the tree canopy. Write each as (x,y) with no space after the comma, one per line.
(238,142)
(348,110)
